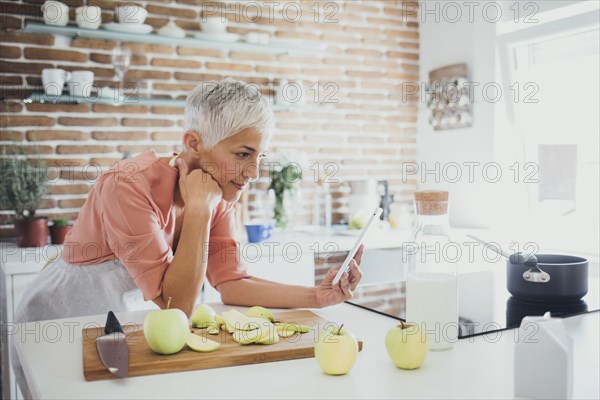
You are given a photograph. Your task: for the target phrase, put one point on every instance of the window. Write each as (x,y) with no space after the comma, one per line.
(556,125)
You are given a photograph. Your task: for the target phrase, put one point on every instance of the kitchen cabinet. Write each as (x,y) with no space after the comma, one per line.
(18,268)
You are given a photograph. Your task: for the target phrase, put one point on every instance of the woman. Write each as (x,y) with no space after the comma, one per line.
(161,226)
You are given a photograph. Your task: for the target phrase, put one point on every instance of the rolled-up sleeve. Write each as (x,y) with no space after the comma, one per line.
(135,235)
(224,256)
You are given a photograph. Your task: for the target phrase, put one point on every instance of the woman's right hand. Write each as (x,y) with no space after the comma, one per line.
(198,187)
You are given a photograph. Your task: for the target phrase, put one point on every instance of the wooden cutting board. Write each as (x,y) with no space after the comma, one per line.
(143,361)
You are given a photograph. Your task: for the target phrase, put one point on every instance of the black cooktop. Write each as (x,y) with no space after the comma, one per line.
(486,306)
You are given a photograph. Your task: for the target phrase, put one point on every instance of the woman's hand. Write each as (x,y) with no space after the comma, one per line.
(327,294)
(198,186)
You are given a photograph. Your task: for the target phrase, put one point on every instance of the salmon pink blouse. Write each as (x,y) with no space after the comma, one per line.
(129,215)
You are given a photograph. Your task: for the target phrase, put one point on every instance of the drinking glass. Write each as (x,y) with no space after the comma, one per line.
(121,58)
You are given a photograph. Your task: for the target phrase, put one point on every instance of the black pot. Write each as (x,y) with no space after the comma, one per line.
(559,279)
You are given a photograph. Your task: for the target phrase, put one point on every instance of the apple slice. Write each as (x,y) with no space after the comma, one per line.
(235,320)
(213,329)
(269,336)
(285,332)
(203,316)
(201,344)
(293,327)
(260,312)
(246,337)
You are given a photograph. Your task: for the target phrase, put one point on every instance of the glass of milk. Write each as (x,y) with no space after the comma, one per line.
(431,282)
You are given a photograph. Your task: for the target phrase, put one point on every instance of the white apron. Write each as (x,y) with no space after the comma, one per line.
(63,290)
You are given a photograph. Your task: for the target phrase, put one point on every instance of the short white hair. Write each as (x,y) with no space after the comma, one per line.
(217,110)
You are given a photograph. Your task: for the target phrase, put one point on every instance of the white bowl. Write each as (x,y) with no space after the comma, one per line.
(131,14)
(213,24)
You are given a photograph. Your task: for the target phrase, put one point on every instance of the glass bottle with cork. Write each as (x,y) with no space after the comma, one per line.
(431,284)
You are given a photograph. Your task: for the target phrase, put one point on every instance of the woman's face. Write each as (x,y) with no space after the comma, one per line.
(233,162)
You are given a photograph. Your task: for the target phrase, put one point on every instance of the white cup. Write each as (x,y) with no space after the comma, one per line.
(89,17)
(81,83)
(53,80)
(55,13)
(213,24)
(131,14)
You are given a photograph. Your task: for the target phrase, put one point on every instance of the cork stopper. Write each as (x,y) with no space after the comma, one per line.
(431,202)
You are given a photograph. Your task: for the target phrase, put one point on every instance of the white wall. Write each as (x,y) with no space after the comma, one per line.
(444,43)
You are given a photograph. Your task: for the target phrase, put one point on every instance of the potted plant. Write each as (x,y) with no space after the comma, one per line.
(284,174)
(58,230)
(22,187)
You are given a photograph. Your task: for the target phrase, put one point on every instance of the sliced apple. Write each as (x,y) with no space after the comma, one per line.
(235,320)
(293,326)
(284,332)
(201,344)
(213,329)
(260,312)
(246,337)
(269,336)
(203,316)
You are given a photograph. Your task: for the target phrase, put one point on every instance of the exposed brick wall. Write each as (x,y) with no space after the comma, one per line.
(372,49)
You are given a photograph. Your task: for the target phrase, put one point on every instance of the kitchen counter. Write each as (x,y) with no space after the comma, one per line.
(478,367)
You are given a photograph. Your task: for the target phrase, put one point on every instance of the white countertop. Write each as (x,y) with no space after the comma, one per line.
(16,260)
(479,367)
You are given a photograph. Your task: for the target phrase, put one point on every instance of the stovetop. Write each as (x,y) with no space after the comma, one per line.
(486,311)
(485,305)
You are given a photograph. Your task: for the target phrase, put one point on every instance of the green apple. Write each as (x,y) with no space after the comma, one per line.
(202,344)
(260,312)
(166,330)
(219,320)
(336,351)
(203,316)
(356,223)
(406,345)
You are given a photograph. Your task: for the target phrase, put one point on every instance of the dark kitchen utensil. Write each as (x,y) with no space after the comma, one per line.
(112,347)
(544,277)
(567,282)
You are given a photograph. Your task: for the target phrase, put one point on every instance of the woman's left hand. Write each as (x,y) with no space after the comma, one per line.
(327,294)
